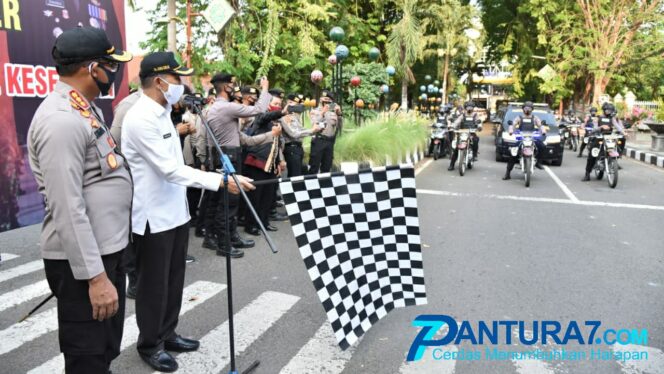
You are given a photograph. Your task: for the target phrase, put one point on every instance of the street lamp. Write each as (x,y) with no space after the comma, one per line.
(341,52)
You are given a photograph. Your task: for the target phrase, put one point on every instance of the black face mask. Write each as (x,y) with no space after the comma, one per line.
(527,111)
(105,88)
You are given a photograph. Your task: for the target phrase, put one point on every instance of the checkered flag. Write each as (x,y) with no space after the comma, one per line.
(359,238)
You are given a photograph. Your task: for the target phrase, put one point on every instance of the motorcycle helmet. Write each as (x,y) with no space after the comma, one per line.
(527,107)
(570,112)
(608,109)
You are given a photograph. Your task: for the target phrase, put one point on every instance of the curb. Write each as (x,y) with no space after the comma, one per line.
(648,158)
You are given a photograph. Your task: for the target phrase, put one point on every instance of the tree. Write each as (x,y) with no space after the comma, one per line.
(445,26)
(404,46)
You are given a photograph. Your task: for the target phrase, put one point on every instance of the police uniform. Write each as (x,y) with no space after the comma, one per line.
(78,167)
(603,120)
(527,123)
(293,133)
(223,119)
(322,144)
(465,121)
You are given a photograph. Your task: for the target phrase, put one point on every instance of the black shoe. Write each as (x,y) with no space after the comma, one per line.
(189,259)
(474,159)
(238,242)
(160,361)
(279,217)
(131,292)
(619,167)
(273,211)
(234,252)
(180,344)
(579,155)
(450,168)
(200,232)
(271,228)
(252,230)
(210,242)
(507,176)
(586,178)
(539,166)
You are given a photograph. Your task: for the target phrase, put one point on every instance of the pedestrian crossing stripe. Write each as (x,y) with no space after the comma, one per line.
(20,270)
(192,296)
(4,257)
(23,294)
(321,354)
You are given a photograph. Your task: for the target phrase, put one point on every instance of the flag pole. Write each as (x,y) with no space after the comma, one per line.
(322,175)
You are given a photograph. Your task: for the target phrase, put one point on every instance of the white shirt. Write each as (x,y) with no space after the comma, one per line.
(152,147)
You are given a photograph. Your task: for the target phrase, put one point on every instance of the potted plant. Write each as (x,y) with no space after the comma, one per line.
(656,124)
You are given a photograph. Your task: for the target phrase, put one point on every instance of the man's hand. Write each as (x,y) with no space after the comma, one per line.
(245,183)
(276,131)
(326,107)
(192,128)
(337,110)
(281,168)
(103,297)
(285,110)
(265,84)
(316,129)
(182,128)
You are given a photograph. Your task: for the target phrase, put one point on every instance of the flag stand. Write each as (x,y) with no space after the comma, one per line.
(229,171)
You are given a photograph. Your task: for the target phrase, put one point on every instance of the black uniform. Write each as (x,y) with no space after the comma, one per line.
(466,122)
(527,123)
(613,124)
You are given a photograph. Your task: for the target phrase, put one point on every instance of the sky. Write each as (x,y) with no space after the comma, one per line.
(137,28)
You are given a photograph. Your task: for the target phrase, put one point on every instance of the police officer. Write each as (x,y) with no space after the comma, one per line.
(527,122)
(328,117)
(77,168)
(589,124)
(224,119)
(468,120)
(294,132)
(606,124)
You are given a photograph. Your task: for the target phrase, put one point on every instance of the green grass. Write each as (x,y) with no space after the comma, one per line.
(373,141)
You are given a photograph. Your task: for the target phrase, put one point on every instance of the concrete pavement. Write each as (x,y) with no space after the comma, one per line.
(493,250)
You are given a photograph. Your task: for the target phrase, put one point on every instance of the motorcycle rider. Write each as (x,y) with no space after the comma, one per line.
(589,125)
(443,118)
(526,122)
(606,124)
(467,120)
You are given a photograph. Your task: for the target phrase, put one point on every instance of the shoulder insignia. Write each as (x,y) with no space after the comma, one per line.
(78,99)
(112,161)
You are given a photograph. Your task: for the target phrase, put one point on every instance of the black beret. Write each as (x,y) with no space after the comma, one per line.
(277,93)
(223,78)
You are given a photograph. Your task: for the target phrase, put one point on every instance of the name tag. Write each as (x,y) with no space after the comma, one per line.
(470,119)
(104,142)
(166,136)
(527,120)
(605,120)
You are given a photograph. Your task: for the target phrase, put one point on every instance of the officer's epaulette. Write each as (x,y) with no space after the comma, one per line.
(83,108)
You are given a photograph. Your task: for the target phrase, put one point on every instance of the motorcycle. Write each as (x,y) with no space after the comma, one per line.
(570,135)
(525,149)
(463,142)
(437,137)
(606,152)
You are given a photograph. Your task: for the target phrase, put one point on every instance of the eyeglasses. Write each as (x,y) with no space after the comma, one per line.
(108,65)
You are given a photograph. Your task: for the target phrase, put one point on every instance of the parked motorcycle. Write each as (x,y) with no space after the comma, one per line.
(606,151)
(525,149)
(463,142)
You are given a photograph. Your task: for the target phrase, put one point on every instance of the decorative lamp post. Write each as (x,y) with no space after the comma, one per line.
(355,81)
(316,78)
(374,53)
(423,89)
(427,78)
(337,34)
(390,70)
(385,89)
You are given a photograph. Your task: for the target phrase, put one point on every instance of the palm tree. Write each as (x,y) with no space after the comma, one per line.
(404,46)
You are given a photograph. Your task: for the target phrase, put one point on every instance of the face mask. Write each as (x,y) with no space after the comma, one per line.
(104,88)
(273,108)
(527,111)
(173,93)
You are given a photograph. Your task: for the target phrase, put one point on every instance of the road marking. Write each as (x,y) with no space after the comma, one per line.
(424,166)
(17,271)
(540,199)
(4,257)
(23,294)
(250,323)
(192,296)
(321,354)
(20,333)
(560,184)
(654,363)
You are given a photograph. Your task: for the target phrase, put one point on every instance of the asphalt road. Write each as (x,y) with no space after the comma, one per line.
(493,250)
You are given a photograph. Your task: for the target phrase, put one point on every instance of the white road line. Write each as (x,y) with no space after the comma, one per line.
(560,184)
(23,294)
(428,365)
(654,363)
(424,166)
(321,354)
(192,296)
(4,257)
(17,271)
(540,200)
(250,323)
(20,333)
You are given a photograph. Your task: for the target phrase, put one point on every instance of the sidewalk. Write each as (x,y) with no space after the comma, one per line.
(638,148)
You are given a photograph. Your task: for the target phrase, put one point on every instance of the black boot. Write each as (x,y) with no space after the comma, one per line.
(238,242)
(131,287)
(234,252)
(210,242)
(538,165)
(586,178)
(507,175)
(200,232)
(451,167)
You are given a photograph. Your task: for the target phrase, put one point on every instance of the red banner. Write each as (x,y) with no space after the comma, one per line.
(28,29)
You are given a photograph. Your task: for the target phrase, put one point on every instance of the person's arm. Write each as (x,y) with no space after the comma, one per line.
(457,122)
(61,151)
(200,143)
(149,143)
(316,116)
(296,134)
(618,125)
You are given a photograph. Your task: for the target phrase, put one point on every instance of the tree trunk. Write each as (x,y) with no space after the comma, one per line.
(404,94)
(172,45)
(598,86)
(445,73)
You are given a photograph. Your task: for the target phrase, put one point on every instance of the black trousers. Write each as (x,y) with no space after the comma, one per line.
(193,197)
(294,155)
(261,198)
(215,221)
(322,153)
(88,345)
(161,270)
(129,263)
